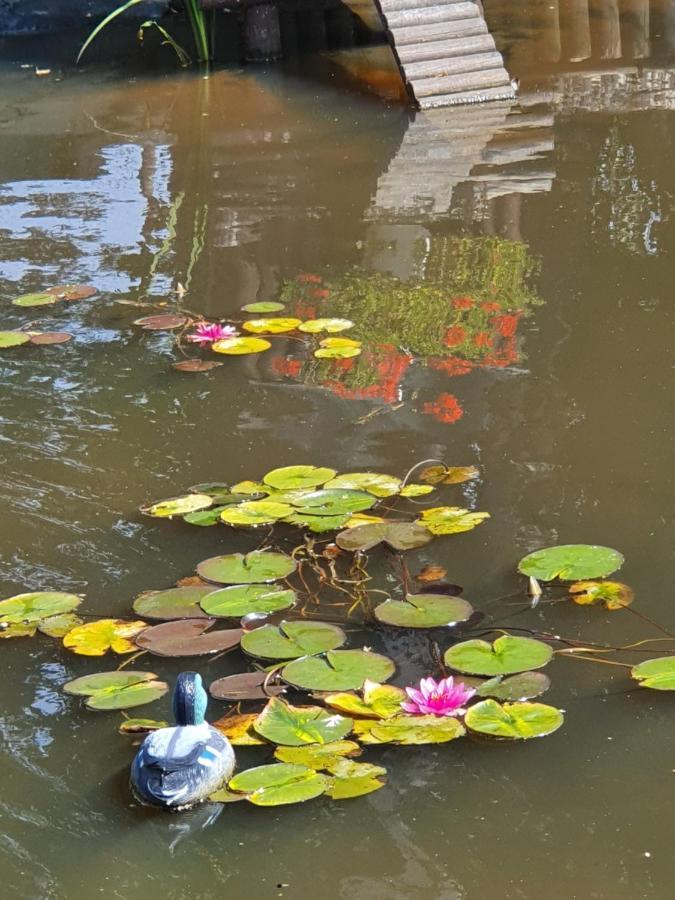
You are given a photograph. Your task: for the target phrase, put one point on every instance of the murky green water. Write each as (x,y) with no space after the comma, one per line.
(230,186)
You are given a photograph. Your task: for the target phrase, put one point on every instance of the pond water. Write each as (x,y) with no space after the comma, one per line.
(236,187)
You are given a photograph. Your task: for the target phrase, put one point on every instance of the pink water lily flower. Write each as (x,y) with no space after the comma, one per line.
(437,698)
(208,332)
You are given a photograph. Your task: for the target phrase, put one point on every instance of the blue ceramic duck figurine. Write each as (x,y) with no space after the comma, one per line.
(180,766)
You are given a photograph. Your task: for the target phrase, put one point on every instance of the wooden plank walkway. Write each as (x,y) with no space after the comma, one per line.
(445,52)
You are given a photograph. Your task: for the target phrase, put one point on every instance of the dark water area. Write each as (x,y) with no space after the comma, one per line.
(556,209)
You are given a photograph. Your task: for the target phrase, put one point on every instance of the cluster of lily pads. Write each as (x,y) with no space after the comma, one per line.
(49,297)
(485,689)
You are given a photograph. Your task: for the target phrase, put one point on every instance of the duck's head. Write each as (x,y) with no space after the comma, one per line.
(189,699)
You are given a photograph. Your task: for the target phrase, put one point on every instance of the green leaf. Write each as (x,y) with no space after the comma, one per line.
(318,524)
(352,779)
(524,686)
(207,517)
(506,656)
(318,756)
(379,701)
(174,603)
(32,608)
(13,339)
(242,599)
(448,474)
(451,519)
(257,567)
(252,513)
(27,300)
(291,478)
(571,562)
(290,640)
(59,626)
(513,720)
(187,637)
(282,723)
(117,690)
(96,638)
(612,594)
(408,730)
(141,726)
(177,506)
(250,487)
(271,326)
(332,326)
(372,482)
(340,670)
(416,490)
(240,346)
(334,502)
(279,784)
(397,535)
(658,673)
(423,611)
(338,348)
(102,24)
(263,306)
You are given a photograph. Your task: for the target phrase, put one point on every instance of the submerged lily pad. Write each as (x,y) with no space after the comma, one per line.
(206,518)
(117,690)
(59,626)
(506,656)
(291,640)
(271,326)
(174,603)
(524,686)
(72,292)
(409,730)
(571,562)
(196,365)
(282,723)
(332,326)
(34,607)
(424,611)
(263,306)
(339,670)
(279,784)
(378,701)
(513,720)
(448,474)
(451,519)
(257,567)
(242,599)
(397,535)
(240,346)
(318,756)
(291,478)
(187,637)
(141,726)
(177,506)
(51,337)
(245,686)
(96,638)
(354,779)
(162,322)
(372,482)
(38,299)
(658,674)
(13,339)
(612,594)
(334,502)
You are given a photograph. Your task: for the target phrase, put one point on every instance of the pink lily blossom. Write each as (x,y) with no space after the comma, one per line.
(442,698)
(208,332)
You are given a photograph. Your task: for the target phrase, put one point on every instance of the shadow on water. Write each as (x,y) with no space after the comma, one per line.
(534,240)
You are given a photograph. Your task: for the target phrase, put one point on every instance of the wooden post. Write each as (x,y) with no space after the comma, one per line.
(605,29)
(576,31)
(546,22)
(262,35)
(635,28)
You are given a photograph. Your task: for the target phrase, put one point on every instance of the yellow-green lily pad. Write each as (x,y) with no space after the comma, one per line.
(519,721)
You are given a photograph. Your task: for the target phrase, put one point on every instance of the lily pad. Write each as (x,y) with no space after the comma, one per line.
(448,474)
(251,513)
(423,611)
(96,638)
(279,784)
(332,326)
(334,502)
(513,720)
(291,640)
(290,478)
(249,488)
(39,299)
(187,637)
(174,603)
(263,306)
(524,686)
(318,524)
(51,337)
(612,594)
(378,701)
(141,726)
(206,518)
(241,346)
(257,567)
(658,674)
(409,730)
(72,292)
(451,519)
(416,490)
(271,326)
(162,322)
(293,726)
(372,482)
(59,626)
(117,690)
(506,656)
(13,339)
(397,535)
(338,348)
(177,506)
(245,686)
(34,607)
(238,729)
(196,365)
(242,599)
(318,756)
(340,670)
(352,779)
(571,562)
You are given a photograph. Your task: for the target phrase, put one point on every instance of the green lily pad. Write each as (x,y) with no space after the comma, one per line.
(318,756)
(658,674)
(409,730)
(294,726)
(524,686)
(340,670)
(263,306)
(334,502)
(513,720)
(59,626)
(174,603)
(416,490)
(43,299)
(247,488)
(13,339)
(291,640)
(506,656)
(117,690)
(217,490)
(352,779)
(141,726)
(291,478)
(17,630)
(318,524)
(257,567)
(612,594)
(251,513)
(187,637)
(451,519)
(331,326)
(337,352)
(33,608)
(240,346)
(277,325)
(279,784)
(397,535)
(205,518)
(177,506)
(423,611)
(448,474)
(242,599)
(571,562)
(372,482)
(379,701)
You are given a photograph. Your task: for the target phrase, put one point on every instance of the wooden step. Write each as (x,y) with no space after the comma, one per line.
(479,43)
(439,31)
(426,15)
(467,81)
(395,5)
(505,92)
(453,66)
